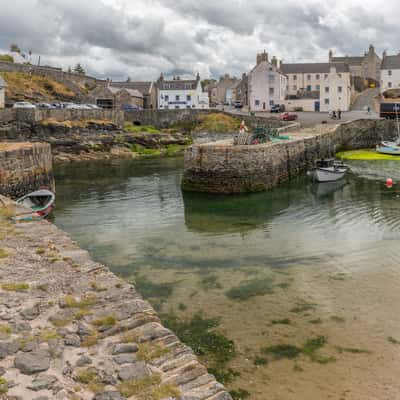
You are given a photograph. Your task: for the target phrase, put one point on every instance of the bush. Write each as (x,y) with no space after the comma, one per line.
(217,122)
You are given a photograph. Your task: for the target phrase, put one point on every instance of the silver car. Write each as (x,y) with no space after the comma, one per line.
(23,104)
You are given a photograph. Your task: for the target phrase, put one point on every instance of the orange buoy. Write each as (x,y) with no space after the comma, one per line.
(389,182)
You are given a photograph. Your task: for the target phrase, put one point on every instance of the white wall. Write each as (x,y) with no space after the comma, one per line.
(305,104)
(387,79)
(266,87)
(198,99)
(338,95)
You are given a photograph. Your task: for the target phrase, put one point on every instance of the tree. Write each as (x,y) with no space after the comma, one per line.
(79,69)
(15,48)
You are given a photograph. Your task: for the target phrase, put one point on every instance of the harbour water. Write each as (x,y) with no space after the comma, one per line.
(301,264)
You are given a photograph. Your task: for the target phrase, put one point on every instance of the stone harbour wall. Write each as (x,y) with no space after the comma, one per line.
(24,167)
(70,329)
(223,168)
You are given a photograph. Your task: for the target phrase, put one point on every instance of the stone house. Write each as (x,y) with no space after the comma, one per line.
(115,97)
(181,94)
(147,89)
(318,86)
(242,91)
(390,72)
(366,66)
(225,82)
(266,84)
(2,92)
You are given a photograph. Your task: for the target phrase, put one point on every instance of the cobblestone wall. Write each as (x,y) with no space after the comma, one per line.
(24,167)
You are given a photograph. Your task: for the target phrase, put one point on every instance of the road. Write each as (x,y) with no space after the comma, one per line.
(365,99)
(308,119)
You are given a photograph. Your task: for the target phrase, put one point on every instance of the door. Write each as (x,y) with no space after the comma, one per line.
(264,107)
(316,106)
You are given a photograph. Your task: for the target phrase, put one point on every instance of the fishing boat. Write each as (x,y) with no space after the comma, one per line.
(328,170)
(391,147)
(36,205)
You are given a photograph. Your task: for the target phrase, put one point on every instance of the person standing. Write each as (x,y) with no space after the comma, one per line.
(339,113)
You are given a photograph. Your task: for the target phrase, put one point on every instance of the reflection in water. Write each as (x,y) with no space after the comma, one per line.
(335,246)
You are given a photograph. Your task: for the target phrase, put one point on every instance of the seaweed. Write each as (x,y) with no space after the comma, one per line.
(248,289)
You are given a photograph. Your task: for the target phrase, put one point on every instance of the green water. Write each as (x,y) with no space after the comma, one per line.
(133,217)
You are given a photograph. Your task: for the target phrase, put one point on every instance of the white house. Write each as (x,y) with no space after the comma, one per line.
(2,92)
(180,94)
(318,86)
(266,84)
(390,72)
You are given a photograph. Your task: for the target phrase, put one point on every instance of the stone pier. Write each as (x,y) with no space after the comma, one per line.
(24,167)
(221,167)
(70,329)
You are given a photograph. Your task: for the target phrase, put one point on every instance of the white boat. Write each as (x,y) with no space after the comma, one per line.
(35,205)
(391,147)
(328,170)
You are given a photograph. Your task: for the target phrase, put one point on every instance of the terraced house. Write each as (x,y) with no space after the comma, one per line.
(180,94)
(318,86)
(266,84)
(390,72)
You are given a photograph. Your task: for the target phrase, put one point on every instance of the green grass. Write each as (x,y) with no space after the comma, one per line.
(104,322)
(182,306)
(149,388)
(260,361)
(302,306)
(174,149)
(87,375)
(217,122)
(365,155)
(280,351)
(145,152)
(3,253)
(6,57)
(248,289)
(5,329)
(86,301)
(12,287)
(3,386)
(352,350)
(129,127)
(152,290)
(149,351)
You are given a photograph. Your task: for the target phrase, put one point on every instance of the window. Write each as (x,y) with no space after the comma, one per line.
(339,89)
(390,72)
(187,106)
(308,88)
(271,102)
(326,101)
(166,97)
(339,75)
(309,77)
(271,91)
(295,77)
(176,106)
(294,87)
(177,97)
(257,102)
(272,78)
(188,97)
(389,84)
(326,89)
(317,76)
(318,87)
(326,76)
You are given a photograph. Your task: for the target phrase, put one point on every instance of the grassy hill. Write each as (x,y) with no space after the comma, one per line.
(23,86)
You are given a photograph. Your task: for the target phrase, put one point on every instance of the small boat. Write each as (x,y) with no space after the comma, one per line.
(328,170)
(36,205)
(392,148)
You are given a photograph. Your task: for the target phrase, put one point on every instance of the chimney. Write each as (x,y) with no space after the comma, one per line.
(262,57)
(161,77)
(330,55)
(274,62)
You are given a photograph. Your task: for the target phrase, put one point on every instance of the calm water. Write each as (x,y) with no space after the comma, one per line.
(336,246)
(133,213)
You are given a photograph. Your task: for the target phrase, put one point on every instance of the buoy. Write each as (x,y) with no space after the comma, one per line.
(389,182)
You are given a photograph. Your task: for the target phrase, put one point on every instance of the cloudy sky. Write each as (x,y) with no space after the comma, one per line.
(141,38)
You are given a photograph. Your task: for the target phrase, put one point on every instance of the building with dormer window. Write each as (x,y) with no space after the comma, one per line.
(180,94)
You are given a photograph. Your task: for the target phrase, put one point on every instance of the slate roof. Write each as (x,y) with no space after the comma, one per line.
(349,60)
(312,68)
(2,82)
(142,87)
(178,85)
(391,62)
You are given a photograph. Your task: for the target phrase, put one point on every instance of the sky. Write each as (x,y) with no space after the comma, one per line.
(142,38)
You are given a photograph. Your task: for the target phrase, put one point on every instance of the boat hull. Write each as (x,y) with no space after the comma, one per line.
(328,174)
(38,205)
(388,149)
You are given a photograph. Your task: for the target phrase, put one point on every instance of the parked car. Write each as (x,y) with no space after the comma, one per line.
(130,107)
(23,104)
(238,104)
(288,116)
(93,106)
(276,108)
(46,106)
